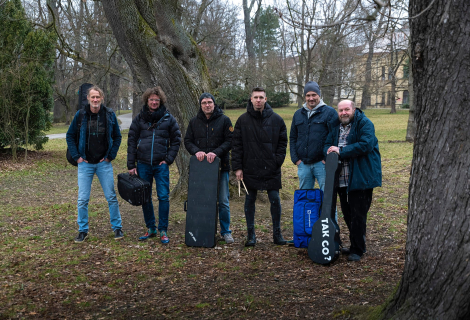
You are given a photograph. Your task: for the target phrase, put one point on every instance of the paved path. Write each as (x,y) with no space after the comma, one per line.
(126,120)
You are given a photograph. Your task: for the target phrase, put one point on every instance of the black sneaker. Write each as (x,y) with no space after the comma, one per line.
(118,234)
(81,237)
(354,257)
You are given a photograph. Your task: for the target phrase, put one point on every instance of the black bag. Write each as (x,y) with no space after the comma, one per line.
(133,189)
(77,137)
(82,102)
(201,207)
(324,245)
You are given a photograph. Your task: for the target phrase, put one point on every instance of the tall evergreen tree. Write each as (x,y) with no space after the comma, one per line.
(26,76)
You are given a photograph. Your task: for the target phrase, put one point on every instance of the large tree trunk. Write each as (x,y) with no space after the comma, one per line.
(159,52)
(436,277)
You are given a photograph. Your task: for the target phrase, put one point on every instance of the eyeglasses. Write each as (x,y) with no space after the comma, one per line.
(208,103)
(154,100)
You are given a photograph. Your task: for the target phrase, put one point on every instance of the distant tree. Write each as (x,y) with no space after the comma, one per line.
(26,77)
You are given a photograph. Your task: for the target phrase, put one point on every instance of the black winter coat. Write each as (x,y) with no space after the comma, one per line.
(153,140)
(259,148)
(210,135)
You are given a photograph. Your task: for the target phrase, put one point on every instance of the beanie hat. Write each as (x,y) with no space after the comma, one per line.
(312,86)
(204,96)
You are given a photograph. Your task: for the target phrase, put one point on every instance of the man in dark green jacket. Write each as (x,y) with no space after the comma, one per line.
(353,138)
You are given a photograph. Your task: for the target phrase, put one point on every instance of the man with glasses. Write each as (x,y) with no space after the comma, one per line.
(209,135)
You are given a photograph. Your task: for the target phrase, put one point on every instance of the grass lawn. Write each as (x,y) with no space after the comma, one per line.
(46,275)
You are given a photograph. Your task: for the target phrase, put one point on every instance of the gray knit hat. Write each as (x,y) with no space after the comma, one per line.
(312,86)
(204,96)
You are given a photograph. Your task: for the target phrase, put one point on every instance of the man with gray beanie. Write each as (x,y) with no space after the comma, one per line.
(307,137)
(209,135)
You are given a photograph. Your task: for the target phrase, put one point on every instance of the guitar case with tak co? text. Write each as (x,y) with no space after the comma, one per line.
(201,207)
(323,247)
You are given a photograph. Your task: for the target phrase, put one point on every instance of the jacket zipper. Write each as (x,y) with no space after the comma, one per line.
(153,140)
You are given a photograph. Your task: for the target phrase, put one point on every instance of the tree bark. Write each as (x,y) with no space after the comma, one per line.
(436,277)
(250,32)
(159,52)
(411,128)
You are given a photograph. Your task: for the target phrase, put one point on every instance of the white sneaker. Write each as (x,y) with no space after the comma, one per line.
(228,238)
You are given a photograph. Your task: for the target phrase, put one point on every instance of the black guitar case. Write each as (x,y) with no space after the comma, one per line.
(324,244)
(201,207)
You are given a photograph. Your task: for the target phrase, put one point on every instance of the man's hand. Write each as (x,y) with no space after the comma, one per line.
(163,162)
(239,174)
(133,171)
(211,157)
(332,149)
(200,155)
(298,162)
(105,159)
(80,160)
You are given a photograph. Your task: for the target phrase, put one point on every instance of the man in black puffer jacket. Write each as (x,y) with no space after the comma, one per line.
(258,151)
(154,141)
(209,134)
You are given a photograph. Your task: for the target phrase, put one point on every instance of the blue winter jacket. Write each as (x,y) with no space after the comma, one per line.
(112,132)
(362,151)
(308,135)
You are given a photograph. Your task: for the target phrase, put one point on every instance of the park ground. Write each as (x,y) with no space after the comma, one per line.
(45,275)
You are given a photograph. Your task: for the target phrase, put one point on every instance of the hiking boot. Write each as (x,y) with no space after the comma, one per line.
(151,233)
(345,250)
(354,257)
(278,239)
(118,234)
(163,237)
(251,241)
(228,238)
(81,237)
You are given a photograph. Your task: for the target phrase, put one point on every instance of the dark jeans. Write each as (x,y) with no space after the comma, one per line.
(275,201)
(161,174)
(355,206)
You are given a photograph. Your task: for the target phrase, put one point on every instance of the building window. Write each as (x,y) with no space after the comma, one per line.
(383,98)
(383,73)
(406,97)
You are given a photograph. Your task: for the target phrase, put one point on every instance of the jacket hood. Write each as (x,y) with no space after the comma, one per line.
(267,111)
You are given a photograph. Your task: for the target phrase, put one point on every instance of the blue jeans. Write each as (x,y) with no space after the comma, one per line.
(250,208)
(224,206)
(104,171)
(309,172)
(161,173)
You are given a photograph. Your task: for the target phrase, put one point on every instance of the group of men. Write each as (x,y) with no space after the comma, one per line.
(258,145)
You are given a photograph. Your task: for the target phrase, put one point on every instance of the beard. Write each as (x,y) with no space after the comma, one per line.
(346,120)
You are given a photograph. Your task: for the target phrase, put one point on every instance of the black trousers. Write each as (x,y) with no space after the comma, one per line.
(250,208)
(355,206)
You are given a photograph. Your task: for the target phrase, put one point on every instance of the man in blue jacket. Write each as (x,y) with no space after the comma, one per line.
(353,138)
(307,137)
(99,139)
